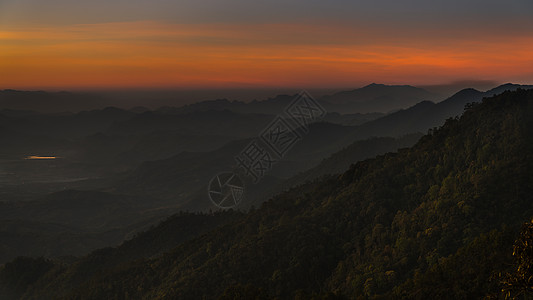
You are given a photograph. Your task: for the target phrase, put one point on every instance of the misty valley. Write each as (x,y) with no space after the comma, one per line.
(393,192)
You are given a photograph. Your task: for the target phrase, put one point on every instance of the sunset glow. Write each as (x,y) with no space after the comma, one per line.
(160,53)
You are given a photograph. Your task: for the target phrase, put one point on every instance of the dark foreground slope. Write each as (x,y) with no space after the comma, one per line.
(433,221)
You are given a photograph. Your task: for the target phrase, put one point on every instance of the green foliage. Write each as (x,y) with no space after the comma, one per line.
(17,275)
(432,221)
(239,291)
(519,282)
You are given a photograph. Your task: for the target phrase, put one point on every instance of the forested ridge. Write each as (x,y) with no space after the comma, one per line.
(437,220)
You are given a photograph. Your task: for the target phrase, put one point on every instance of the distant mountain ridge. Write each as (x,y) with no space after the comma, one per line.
(368,99)
(426,114)
(377,98)
(324,139)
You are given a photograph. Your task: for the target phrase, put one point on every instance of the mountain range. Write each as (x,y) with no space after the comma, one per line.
(145,165)
(368,99)
(436,220)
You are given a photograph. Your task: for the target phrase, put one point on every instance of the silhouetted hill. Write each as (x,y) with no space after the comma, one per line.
(219,104)
(183,178)
(87,210)
(272,105)
(417,118)
(74,222)
(159,145)
(369,99)
(34,238)
(171,232)
(434,221)
(211,122)
(69,125)
(506,87)
(358,151)
(351,119)
(424,115)
(376,98)
(173,178)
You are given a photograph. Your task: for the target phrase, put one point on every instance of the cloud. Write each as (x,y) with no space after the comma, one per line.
(162,54)
(436,13)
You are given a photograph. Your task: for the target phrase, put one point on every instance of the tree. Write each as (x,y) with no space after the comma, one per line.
(519,283)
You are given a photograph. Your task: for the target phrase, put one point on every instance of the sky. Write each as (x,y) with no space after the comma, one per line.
(129,44)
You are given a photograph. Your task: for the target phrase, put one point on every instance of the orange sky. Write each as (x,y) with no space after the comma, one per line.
(158,54)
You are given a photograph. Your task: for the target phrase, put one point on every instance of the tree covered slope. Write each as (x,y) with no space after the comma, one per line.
(436,220)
